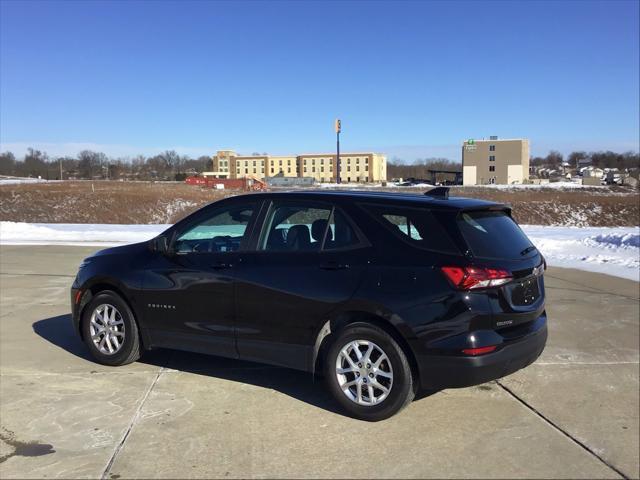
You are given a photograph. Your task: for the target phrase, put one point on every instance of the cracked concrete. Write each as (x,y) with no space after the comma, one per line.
(573,414)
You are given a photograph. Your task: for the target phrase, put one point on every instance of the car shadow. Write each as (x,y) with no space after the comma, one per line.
(294,383)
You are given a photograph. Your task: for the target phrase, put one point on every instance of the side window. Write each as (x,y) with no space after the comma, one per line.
(223,231)
(417,226)
(404,225)
(340,233)
(295,227)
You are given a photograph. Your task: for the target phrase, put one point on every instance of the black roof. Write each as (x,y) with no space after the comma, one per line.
(454,203)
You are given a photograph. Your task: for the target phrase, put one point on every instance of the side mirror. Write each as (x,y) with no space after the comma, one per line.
(160,244)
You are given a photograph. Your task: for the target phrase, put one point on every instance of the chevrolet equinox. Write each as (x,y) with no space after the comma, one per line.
(382,293)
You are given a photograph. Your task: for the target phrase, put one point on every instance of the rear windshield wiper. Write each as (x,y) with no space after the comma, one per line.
(527,250)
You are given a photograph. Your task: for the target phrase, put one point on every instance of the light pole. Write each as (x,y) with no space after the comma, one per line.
(338,129)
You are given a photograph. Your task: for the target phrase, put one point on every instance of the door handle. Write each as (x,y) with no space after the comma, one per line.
(334,266)
(221,265)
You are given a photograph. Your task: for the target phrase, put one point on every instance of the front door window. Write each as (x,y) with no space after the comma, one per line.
(225,230)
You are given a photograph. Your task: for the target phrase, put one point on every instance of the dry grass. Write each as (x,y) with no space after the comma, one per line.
(146,202)
(102,202)
(596,207)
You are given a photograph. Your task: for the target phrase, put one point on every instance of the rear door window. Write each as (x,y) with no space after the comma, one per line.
(307,227)
(295,227)
(493,234)
(417,226)
(340,234)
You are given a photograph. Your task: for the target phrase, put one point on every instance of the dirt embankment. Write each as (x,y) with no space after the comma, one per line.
(102,202)
(144,202)
(580,207)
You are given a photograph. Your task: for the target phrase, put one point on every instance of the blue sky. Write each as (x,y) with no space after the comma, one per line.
(409,79)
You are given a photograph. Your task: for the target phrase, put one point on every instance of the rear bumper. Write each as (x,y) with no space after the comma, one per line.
(451,371)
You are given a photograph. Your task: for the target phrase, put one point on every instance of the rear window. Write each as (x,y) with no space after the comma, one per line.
(416,226)
(493,235)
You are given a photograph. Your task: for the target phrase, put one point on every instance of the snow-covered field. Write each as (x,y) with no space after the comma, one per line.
(527,186)
(611,250)
(4,180)
(88,234)
(531,186)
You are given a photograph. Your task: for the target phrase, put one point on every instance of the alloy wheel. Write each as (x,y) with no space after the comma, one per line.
(364,372)
(106,328)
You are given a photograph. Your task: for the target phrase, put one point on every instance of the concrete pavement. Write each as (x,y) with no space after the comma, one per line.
(573,414)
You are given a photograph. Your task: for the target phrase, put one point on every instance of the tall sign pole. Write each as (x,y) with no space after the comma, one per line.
(338,129)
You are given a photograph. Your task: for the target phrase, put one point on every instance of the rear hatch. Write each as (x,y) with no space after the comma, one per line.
(493,240)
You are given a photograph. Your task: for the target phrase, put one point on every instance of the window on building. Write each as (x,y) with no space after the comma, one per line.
(492,168)
(348,168)
(322,168)
(492,148)
(492,158)
(313,169)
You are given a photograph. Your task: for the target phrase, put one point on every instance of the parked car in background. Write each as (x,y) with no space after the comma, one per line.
(383,293)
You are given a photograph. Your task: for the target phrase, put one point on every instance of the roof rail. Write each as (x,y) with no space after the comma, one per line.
(438,192)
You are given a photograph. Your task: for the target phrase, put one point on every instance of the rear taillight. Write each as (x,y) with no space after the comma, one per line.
(469,278)
(479,350)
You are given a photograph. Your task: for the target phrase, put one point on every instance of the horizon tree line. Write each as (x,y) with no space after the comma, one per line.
(169,165)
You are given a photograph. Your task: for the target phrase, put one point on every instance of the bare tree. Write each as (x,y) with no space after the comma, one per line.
(554,159)
(171,160)
(7,163)
(34,164)
(574,157)
(422,168)
(90,164)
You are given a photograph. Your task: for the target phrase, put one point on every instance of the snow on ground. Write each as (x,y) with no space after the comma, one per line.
(611,250)
(16,180)
(516,186)
(534,186)
(90,234)
(350,185)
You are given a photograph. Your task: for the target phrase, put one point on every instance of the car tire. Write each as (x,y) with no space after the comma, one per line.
(369,401)
(108,315)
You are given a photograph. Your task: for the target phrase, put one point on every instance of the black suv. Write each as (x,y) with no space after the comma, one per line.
(383,293)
